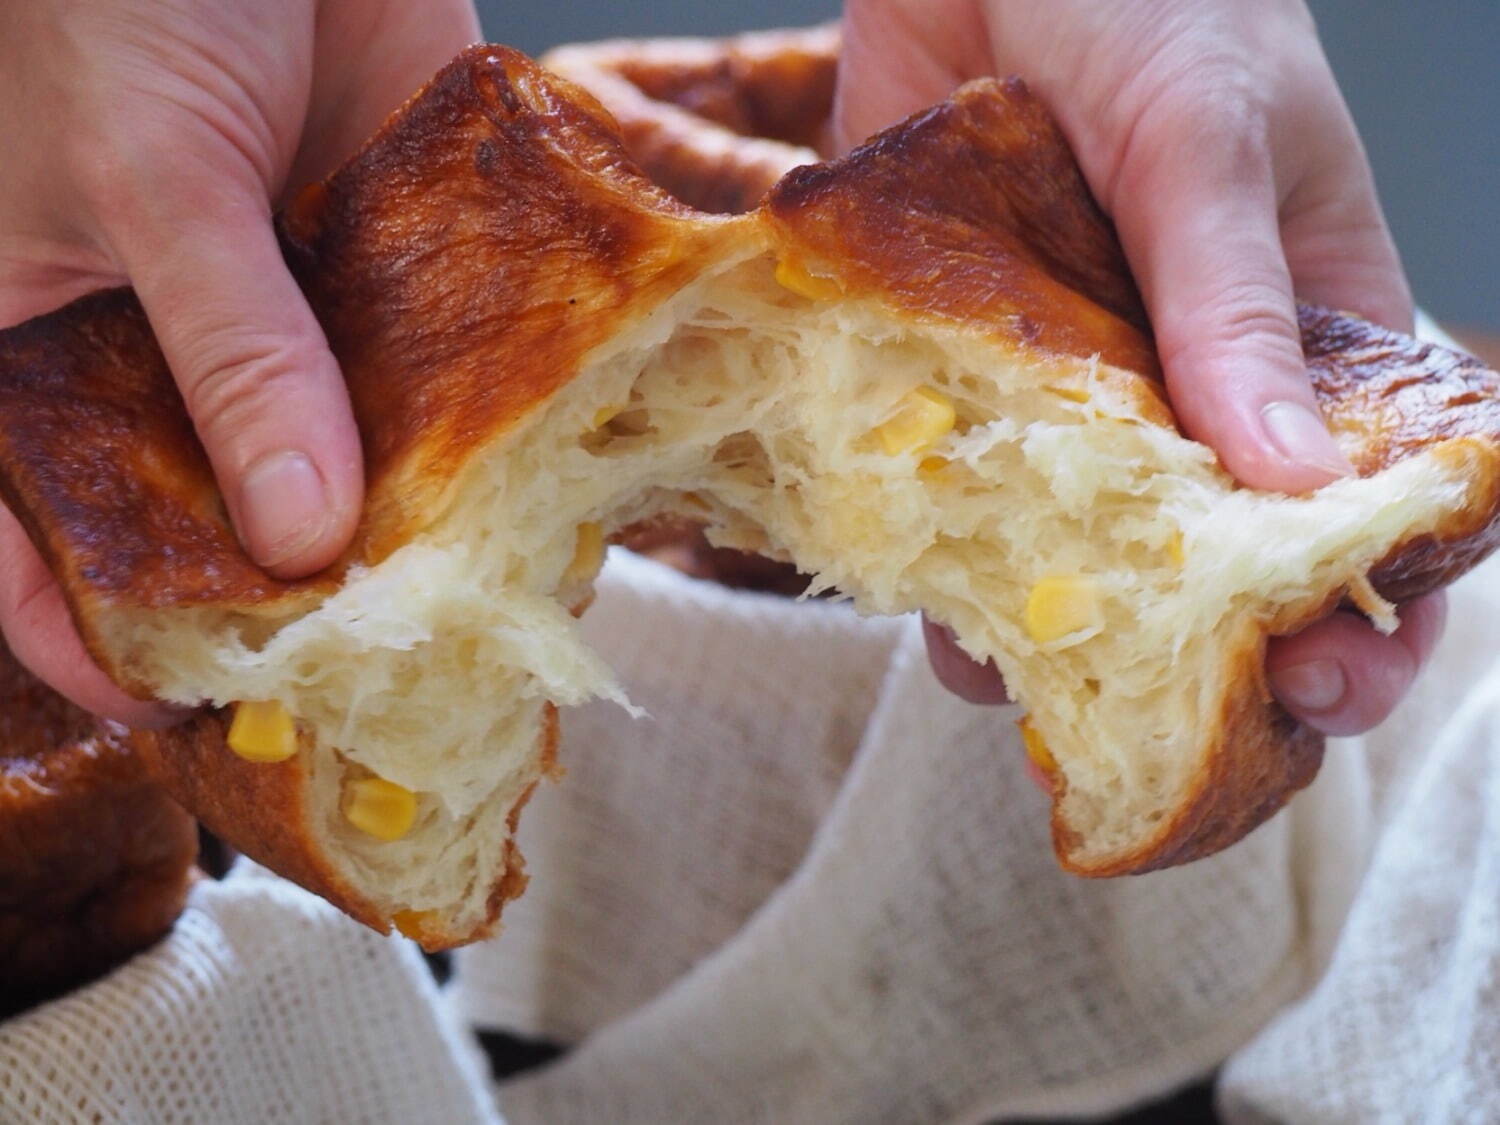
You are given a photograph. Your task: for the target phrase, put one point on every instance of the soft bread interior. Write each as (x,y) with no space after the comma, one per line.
(756,408)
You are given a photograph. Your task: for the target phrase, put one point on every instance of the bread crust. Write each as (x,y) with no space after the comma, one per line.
(95,859)
(716,122)
(265,811)
(468,260)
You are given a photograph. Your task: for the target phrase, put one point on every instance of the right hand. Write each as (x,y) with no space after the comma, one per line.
(148,142)
(1213,133)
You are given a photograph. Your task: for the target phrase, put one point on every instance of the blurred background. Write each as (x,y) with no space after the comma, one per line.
(1423,80)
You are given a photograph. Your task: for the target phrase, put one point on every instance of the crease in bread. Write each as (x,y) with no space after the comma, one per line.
(920,372)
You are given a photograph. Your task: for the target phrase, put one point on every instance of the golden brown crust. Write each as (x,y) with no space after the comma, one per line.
(973,212)
(466,262)
(773,84)
(1262,757)
(95,859)
(715,122)
(1387,396)
(264,810)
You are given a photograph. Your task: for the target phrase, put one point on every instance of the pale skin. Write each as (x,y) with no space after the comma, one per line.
(159,135)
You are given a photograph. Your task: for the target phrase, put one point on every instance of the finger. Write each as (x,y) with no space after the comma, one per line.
(1343,677)
(1338,246)
(957,671)
(264,392)
(41,634)
(1195,203)
(368,64)
(900,56)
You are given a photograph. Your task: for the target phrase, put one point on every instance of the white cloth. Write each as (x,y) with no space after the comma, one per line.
(816,888)
(264,1004)
(733,930)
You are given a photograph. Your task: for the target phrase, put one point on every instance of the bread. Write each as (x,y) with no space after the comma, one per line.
(544,350)
(714,121)
(95,859)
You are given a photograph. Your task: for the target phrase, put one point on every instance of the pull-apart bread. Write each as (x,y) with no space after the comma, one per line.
(95,859)
(714,121)
(920,372)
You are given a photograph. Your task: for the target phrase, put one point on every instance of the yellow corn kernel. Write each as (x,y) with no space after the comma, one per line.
(1175,550)
(1063,604)
(262,731)
(603,415)
(380,808)
(1036,747)
(588,555)
(411,923)
(791,275)
(1072,394)
(921,417)
(931,466)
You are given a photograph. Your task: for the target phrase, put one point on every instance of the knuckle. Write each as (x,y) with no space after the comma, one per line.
(119,168)
(1252,308)
(1249,314)
(240,384)
(1210,104)
(108,175)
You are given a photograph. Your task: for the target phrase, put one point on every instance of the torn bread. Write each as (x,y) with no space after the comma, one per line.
(921,372)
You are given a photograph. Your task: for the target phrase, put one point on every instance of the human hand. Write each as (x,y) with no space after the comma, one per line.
(148,142)
(1214,134)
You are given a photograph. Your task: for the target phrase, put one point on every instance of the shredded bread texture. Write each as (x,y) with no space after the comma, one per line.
(757,409)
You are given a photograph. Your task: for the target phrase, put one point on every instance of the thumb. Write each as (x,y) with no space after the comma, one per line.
(1198,218)
(254,369)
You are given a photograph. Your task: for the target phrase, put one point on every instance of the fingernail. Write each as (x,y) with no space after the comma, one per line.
(1299,435)
(1317,685)
(283,507)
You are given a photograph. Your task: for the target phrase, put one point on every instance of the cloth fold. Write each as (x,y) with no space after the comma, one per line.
(923,960)
(263,1004)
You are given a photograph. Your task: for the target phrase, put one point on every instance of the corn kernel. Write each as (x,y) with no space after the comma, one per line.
(1036,746)
(921,418)
(792,275)
(380,808)
(1175,550)
(1072,394)
(411,923)
(262,731)
(588,555)
(931,466)
(1063,604)
(603,415)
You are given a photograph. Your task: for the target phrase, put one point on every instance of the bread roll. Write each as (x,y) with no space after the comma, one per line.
(920,372)
(95,858)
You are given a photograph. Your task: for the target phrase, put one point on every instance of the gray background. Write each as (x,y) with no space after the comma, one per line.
(1422,76)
